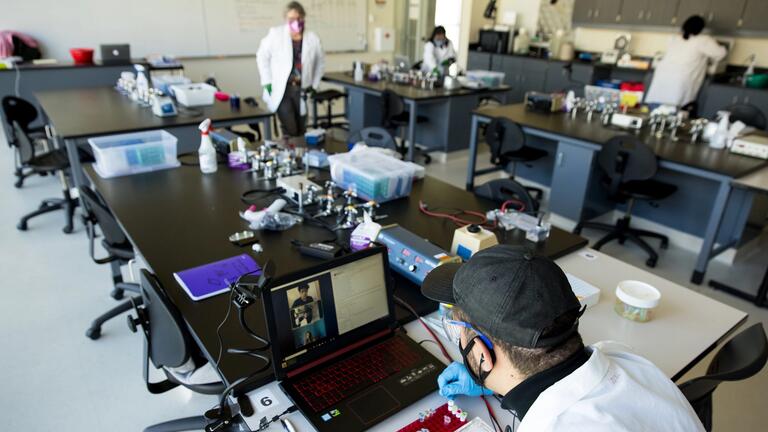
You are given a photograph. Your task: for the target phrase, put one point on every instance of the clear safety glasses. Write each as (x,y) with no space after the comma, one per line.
(452,327)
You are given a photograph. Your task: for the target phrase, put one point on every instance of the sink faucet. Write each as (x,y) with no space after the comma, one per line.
(752,59)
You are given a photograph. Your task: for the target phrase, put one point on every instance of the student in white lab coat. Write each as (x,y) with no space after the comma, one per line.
(290,60)
(681,72)
(515,319)
(438,52)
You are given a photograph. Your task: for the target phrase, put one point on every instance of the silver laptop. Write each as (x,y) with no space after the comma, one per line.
(115,54)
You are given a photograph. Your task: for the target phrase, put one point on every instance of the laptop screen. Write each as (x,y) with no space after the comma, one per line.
(337,305)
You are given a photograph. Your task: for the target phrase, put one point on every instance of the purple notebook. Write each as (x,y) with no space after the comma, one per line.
(211,279)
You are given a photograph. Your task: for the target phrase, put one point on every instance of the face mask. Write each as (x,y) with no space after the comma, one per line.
(296,26)
(479,376)
(439,43)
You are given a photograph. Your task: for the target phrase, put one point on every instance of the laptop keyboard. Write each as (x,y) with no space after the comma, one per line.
(347,377)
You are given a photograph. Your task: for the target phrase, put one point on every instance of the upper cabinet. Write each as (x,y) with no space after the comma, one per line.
(722,16)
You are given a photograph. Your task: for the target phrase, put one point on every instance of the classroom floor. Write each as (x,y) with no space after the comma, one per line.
(54,378)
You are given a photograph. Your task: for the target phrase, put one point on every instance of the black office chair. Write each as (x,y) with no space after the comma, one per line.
(24,113)
(507,142)
(119,250)
(740,358)
(48,162)
(502,190)
(170,348)
(375,137)
(327,97)
(749,114)
(396,118)
(629,165)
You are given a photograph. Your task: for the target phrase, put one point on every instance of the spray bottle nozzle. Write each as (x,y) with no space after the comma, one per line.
(205,126)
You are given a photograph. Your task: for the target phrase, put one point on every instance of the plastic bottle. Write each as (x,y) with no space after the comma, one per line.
(721,134)
(522,42)
(142,84)
(207,153)
(358,71)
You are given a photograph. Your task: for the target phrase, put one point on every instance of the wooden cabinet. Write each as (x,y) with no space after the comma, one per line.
(724,16)
(686,8)
(633,12)
(661,13)
(607,12)
(716,97)
(584,11)
(755,16)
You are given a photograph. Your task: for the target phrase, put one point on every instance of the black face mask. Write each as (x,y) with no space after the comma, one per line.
(479,376)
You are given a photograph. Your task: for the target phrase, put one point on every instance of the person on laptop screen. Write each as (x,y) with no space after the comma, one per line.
(304,300)
(515,319)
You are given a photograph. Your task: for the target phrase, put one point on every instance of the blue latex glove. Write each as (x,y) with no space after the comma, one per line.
(455,380)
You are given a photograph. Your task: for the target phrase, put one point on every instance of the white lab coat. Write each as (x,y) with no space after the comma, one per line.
(275,61)
(614,391)
(681,71)
(435,56)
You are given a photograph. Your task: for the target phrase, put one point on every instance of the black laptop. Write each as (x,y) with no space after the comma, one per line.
(337,352)
(116,54)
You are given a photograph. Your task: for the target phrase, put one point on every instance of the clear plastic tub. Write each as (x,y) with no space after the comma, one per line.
(636,300)
(196,94)
(372,175)
(487,78)
(125,154)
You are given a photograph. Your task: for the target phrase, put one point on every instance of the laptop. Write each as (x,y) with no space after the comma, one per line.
(115,54)
(337,352)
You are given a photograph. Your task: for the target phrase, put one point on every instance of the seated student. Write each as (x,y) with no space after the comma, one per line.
(304,299)
(515,319)
(438,52)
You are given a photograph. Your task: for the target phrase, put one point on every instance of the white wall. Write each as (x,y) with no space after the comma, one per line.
(240,74)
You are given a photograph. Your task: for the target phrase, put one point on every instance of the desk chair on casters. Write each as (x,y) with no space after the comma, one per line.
(24,113)
(119,250)
(749,114)
(170,348)
(629,165)
(375,137)
(507,142)
(327,97)
(48,162)
(396,118)
(740,358)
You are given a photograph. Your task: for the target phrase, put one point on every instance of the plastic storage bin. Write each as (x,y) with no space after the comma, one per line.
(372,175)
(133,153)
(191,95)
(487,78)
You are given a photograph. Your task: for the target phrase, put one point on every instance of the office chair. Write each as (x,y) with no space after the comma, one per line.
(740,358)
(502,190)
(170,348)
(375,137)
(327,97)
(51,161)
(119,250)
(749,114)
(629,165)
(507,142)
(397,118)
(24,113)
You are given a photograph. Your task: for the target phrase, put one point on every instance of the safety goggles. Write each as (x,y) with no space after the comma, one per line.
(453,327)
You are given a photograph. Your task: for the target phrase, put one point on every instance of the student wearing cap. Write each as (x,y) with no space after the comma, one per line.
(515,319)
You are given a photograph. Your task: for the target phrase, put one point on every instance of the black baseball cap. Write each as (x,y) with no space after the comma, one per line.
(510,292)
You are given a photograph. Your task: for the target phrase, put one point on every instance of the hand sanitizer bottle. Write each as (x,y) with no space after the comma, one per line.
(208,162)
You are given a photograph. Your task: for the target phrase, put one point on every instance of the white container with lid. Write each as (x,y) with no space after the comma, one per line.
(635,300)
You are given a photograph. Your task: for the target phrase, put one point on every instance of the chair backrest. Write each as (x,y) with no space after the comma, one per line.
(392,105)
(503,136)
(110,229)
(378,137)
(740,358)
(23,143)
(502,190)
(19,110)
(626,158)
(749,115)
(169,342)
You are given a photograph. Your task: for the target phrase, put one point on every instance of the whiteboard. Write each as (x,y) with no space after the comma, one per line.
(237,26)
(184,28)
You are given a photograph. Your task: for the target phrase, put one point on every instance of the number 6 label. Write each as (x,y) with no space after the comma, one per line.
(265,400)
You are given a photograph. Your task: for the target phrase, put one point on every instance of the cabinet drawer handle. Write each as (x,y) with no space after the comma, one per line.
(746,100)
(640,15)
(711,16)
(618,18)
(597,13)
(734,100)
(560,158)
(648,15)
(674,20)
(740,23)
(589,13)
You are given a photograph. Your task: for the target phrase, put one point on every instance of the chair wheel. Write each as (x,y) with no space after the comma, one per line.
(427,159)
(22,226)
(18,184)
(67,229)
(577,230)
(651,262)
(93,333)
(664,244)
(622,240)
(117,294)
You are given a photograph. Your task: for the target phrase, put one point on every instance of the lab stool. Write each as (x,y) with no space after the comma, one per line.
(328,97)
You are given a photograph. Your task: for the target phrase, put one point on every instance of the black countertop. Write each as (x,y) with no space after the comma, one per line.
(180,218)
(698,155)
(72,65)
(406,91)
(89,112)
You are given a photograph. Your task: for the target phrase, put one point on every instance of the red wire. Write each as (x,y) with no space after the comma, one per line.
(513,201)
(457,220)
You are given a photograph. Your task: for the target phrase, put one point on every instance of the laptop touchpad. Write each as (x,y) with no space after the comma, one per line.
(373,405)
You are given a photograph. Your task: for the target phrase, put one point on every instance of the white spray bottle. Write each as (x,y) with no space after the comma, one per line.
(208,162)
